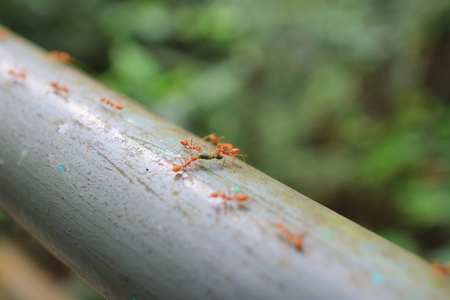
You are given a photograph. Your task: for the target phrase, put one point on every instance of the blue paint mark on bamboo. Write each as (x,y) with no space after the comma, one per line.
(133,122)
(377,278)
(327,235)
(225,178)
(236,188)
(62,169)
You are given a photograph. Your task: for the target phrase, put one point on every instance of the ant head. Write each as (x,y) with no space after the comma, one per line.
(194,158)
(184,142)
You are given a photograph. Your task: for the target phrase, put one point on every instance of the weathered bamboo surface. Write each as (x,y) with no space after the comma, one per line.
(77,173)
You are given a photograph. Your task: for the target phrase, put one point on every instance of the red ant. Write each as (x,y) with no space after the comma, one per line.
(225,149)
(233,152)
(17,75)
(441,269)
(213,138)
(240,197)
(188,146)
(58,88)
(296,240)
(118,106)
(3,34)
(103,99)
(224,146)
(61,56)
(178,168)
(216,140)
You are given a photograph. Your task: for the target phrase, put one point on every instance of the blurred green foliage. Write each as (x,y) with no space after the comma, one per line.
(345,101)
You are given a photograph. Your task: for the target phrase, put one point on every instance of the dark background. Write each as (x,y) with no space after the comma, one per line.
(345,101)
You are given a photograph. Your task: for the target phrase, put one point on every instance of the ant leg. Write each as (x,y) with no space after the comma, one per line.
(179,152)
(207,145)
(211,137)
(171,165)
(160,170)
(244,161)
(196,146)
(232,164)
(224,159)
(198,167)
(173,146)
(190,148)
(203,139)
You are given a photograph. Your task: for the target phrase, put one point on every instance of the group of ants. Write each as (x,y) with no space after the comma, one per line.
(58,88)
(221,151)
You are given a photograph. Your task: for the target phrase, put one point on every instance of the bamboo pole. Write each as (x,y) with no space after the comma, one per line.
(77,174)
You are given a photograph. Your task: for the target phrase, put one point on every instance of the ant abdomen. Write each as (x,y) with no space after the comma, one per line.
(213,155)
